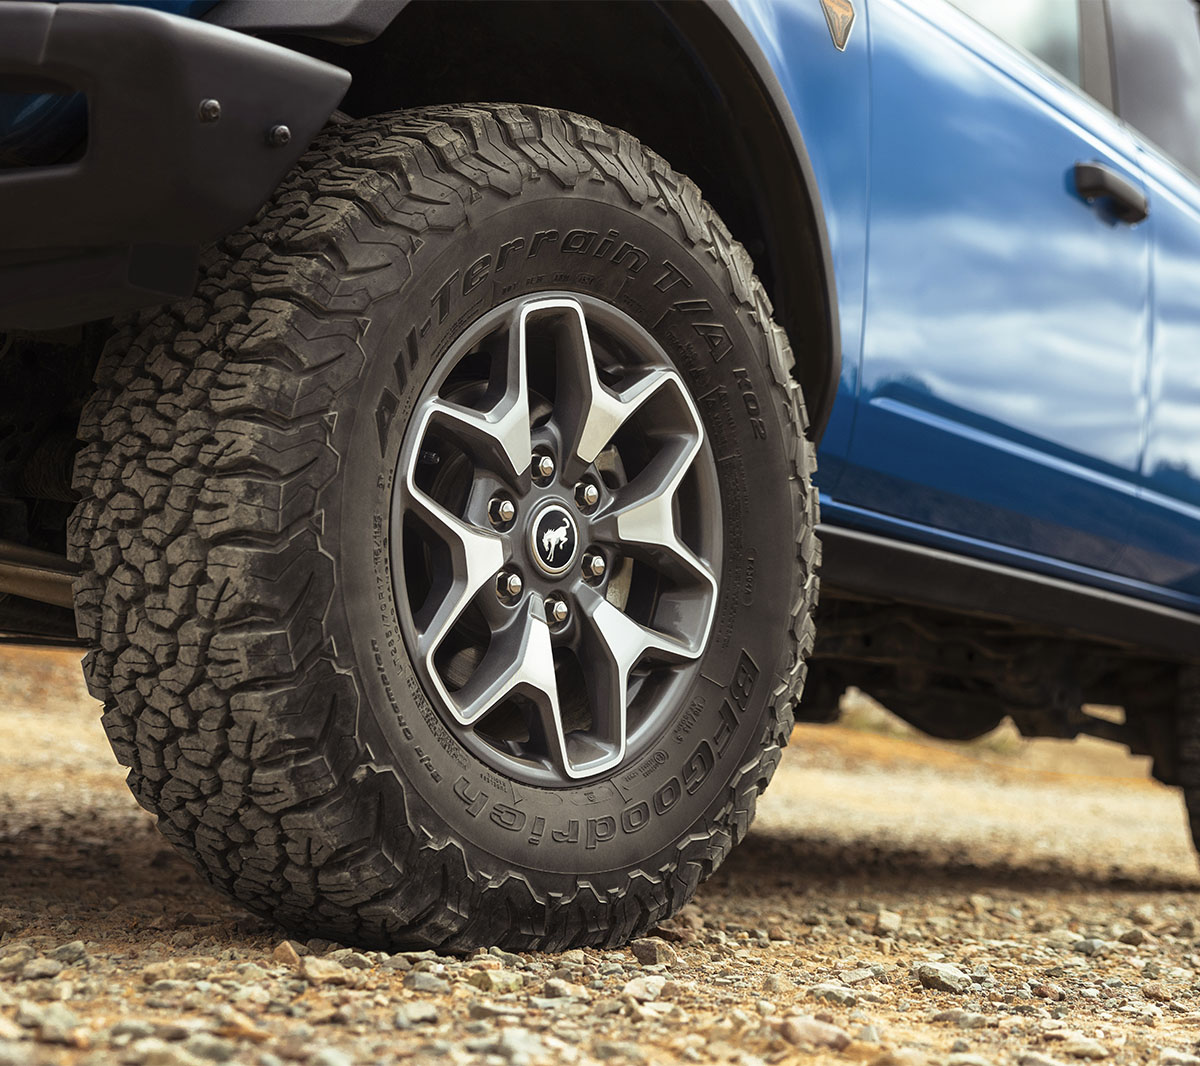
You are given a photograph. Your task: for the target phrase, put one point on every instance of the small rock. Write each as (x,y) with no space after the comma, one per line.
(285,954)
(857,977)
(557,988)
(654,951)
(482,1009)
(330,1056)
(209,1047)
(57,1025)
(420,981)
(1156,990)
(1084,1047)
(965,1058)
(519,1045)
(1171,1057)
(319,971)
(39,968)
(961,1019)
(868,1034)
(1091,946)
(645,989)
(618,1049)
(943,976)
(491,980)
(70,953)
(831,993)
(887,923)
(1135,936)
(801,1029)
(410,1014)
(1047,990)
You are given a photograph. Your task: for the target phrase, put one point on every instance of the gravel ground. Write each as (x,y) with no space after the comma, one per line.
(898,903)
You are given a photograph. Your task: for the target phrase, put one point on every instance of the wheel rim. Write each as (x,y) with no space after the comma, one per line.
(554,530)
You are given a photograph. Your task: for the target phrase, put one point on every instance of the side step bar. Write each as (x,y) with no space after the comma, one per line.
(35,575)
(878,568)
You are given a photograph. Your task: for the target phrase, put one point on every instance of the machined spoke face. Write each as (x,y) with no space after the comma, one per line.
(553,530)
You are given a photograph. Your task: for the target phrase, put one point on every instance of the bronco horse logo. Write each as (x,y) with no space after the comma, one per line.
(553,539)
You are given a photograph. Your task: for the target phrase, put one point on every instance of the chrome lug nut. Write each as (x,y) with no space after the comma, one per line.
(594,565)
(557,610)
(586,494)
(501,512)
(509,585)
(543,467)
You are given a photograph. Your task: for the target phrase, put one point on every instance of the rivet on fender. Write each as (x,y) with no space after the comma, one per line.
(839,15)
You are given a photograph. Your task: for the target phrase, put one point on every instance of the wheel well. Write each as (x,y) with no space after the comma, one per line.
(671,74)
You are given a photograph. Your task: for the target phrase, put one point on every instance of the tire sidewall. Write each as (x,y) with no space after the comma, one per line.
(683,297)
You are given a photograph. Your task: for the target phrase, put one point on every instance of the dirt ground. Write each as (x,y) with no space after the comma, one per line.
(899,902)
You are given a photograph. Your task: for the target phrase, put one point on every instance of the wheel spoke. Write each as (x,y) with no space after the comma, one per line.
(588,412)
(519,662)
(614,644)
(475,558)
(641,520)
(498,438)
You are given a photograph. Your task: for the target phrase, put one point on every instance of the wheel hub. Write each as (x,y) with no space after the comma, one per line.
(553,538)
(557,597)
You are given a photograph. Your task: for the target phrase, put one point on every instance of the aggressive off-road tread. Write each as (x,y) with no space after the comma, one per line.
(206,585)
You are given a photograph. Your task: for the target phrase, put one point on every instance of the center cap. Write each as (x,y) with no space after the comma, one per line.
(554,539)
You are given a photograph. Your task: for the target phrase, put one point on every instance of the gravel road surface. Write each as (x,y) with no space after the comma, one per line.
(898,903)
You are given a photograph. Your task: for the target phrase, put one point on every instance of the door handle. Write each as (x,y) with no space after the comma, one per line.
(1095,181)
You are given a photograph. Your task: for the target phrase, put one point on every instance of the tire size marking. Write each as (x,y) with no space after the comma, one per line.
(477,801)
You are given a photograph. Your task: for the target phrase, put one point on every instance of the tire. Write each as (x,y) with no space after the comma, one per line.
(245,579)
(1186,769)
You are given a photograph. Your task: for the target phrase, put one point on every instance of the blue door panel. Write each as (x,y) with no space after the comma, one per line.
(1005,346)
(1164,545)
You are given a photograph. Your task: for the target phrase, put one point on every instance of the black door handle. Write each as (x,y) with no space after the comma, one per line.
(1095,181)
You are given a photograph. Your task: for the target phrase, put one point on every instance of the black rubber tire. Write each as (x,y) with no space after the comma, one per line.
(1186,769)
(237,459)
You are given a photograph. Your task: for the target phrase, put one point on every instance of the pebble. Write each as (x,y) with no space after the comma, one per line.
(804,1030)
(321,971)
(36,969)
(410,1014)
(1036,1058)
(943,977)
(1084,1047)
(210,1048)
(557,988)
(330,1056)
(961,1019)
(654,951)
(887,923)
(488,980)
(831,993)
(645,989)
(285,954)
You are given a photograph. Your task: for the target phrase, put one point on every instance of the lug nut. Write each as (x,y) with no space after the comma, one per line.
(594,565)
(509,585)
(586,494)
(556,610)
(543,467)
(501,512)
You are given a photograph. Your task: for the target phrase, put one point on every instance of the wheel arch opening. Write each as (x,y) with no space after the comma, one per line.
(679,76)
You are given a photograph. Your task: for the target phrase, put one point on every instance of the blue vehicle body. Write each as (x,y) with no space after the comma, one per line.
(1015,381)
(1016,374)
